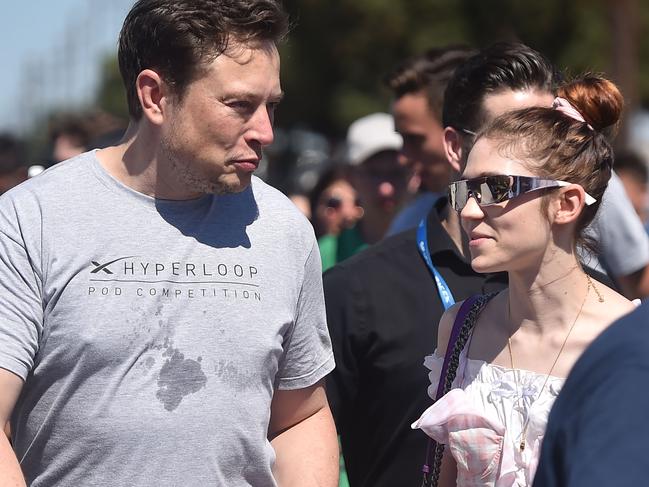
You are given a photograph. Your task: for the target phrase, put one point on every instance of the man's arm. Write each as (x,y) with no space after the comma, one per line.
(10,387)
(303,434)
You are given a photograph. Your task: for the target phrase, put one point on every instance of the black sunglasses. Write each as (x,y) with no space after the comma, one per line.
(335,202)
(489,190)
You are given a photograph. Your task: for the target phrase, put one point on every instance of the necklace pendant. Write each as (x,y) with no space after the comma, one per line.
(522,445)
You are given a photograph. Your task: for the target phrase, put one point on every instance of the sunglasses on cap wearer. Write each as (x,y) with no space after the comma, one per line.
(335,202)
(489,190)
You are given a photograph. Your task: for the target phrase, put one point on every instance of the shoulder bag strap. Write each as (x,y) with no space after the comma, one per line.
(462,326)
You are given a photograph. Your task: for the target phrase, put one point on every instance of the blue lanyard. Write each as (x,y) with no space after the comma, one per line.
(444,291)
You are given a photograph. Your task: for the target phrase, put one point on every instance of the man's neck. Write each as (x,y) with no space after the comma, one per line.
(450,220)
(136,164)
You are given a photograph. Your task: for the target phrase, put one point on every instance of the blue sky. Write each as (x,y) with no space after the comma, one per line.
(50,53)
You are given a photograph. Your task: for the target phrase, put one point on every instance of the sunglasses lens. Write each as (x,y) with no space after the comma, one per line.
(334,202)
(495,189)
(486,191)
(458,194)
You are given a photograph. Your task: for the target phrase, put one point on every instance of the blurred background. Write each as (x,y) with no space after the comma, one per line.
(60,71)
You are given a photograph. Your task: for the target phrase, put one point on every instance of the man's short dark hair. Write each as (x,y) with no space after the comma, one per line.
(428,73)
(74,126)
(12,153)
(501,66)
(178,38)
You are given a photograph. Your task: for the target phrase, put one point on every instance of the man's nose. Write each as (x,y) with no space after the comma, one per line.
(261,129)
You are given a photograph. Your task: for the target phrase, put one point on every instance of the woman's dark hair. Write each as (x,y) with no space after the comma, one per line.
(557,146)
(178,38)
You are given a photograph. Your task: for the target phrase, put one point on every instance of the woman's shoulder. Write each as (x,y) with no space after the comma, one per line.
(446,323)
(450,315)
(607,306)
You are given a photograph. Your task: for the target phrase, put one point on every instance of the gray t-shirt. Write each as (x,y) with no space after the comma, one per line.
(151,334)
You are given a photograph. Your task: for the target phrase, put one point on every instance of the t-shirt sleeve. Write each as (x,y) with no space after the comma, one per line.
(21,310)
(618,222)
(307,354)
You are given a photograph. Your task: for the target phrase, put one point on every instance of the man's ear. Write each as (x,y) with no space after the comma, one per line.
(152,92)
(453,148)
(569,204)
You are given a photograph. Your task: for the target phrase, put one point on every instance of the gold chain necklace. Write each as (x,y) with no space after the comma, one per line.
(511,357)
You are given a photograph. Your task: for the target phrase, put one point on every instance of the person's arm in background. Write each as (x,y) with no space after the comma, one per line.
(623,241)
(10,473)
(303,434)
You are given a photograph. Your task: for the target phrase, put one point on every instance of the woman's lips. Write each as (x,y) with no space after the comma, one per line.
(478,239)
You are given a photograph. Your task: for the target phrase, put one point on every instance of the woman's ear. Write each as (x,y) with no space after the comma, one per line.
(569,204)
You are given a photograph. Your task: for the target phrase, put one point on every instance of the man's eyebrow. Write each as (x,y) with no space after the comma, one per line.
(249,95)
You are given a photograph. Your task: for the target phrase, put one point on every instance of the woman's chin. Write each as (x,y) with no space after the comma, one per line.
(484,266)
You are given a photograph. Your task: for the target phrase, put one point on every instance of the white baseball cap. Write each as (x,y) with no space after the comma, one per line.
(370,135)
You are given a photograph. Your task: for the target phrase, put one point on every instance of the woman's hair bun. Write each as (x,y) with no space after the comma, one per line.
(597,99)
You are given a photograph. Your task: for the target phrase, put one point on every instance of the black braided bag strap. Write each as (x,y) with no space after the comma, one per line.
(465,332)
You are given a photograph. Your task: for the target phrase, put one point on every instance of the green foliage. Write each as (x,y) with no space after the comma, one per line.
(339,50)
(111,96)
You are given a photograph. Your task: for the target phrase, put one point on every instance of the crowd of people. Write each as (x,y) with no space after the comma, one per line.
(455,299)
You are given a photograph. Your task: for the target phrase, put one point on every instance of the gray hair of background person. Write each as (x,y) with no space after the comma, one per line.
(178,38)
(429,72)
(503,65)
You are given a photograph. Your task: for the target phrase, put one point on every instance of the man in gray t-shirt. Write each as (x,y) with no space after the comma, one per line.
(161,310)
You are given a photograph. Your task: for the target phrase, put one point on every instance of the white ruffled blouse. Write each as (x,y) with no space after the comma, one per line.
(481,420)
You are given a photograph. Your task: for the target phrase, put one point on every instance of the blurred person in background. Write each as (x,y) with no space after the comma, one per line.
(382,309)
(417,86)
(380,180)
(336,211)
(13,169)
(633,173)
(303,203)
(161,311)
(69,136)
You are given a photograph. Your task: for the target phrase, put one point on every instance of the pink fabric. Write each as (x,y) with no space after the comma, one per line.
(480,421)
(565,107)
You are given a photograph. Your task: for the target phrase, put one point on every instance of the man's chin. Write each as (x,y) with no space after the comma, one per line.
(232,186)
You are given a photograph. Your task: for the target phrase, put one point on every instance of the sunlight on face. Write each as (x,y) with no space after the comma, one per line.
(505,236)
(212,138)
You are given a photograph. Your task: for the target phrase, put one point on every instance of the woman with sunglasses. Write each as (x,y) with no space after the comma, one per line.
(533,182)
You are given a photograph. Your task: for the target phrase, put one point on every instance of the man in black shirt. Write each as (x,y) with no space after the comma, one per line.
(383,306)
(383,311)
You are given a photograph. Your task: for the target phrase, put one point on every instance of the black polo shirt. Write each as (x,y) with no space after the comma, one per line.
(383,311)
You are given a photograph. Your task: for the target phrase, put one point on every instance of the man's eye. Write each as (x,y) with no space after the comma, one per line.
(241,105)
